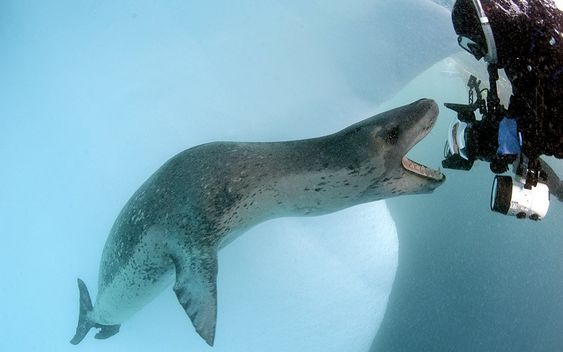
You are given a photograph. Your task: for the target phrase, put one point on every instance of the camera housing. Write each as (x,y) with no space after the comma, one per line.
(511,197)
(470,139)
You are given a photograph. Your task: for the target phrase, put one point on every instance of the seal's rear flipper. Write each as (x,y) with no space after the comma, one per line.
(196,289)
(85,323)
(106,331)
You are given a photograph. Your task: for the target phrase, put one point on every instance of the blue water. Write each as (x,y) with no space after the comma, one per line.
(96,95)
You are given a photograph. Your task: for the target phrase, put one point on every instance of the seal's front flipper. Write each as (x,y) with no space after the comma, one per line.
(196,289)
(84,321)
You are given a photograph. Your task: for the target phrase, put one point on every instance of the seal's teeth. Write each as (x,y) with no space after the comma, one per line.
(421,170)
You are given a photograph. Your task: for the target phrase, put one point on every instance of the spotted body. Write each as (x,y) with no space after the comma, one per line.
(203,198)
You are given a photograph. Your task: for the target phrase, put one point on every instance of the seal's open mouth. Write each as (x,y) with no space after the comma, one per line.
(420,129)
(421,170)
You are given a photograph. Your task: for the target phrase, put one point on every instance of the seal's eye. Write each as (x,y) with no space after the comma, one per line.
(392,136)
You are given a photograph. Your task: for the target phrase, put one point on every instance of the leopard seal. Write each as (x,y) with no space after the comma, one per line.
(205,197)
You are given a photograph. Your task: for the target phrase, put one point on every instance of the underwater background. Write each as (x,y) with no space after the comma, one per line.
(96,95)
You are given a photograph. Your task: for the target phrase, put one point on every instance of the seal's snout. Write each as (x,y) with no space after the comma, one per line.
(424,116)
(430,103)
(428,106)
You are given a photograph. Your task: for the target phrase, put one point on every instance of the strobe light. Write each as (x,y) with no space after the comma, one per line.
(510,197)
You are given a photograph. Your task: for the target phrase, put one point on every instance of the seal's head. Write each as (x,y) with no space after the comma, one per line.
(403,128)
(388,138)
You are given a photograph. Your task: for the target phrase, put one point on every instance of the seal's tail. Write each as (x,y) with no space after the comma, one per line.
(84,321)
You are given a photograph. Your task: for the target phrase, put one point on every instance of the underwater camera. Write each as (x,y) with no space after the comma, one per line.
(470,139)
(513,197)
(510,197)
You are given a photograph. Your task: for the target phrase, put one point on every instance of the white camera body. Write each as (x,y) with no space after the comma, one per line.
(510,197)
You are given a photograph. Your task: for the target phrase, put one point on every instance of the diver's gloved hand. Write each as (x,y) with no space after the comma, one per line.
(509,142)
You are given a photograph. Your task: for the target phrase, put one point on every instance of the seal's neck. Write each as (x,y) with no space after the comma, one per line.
(320,176)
